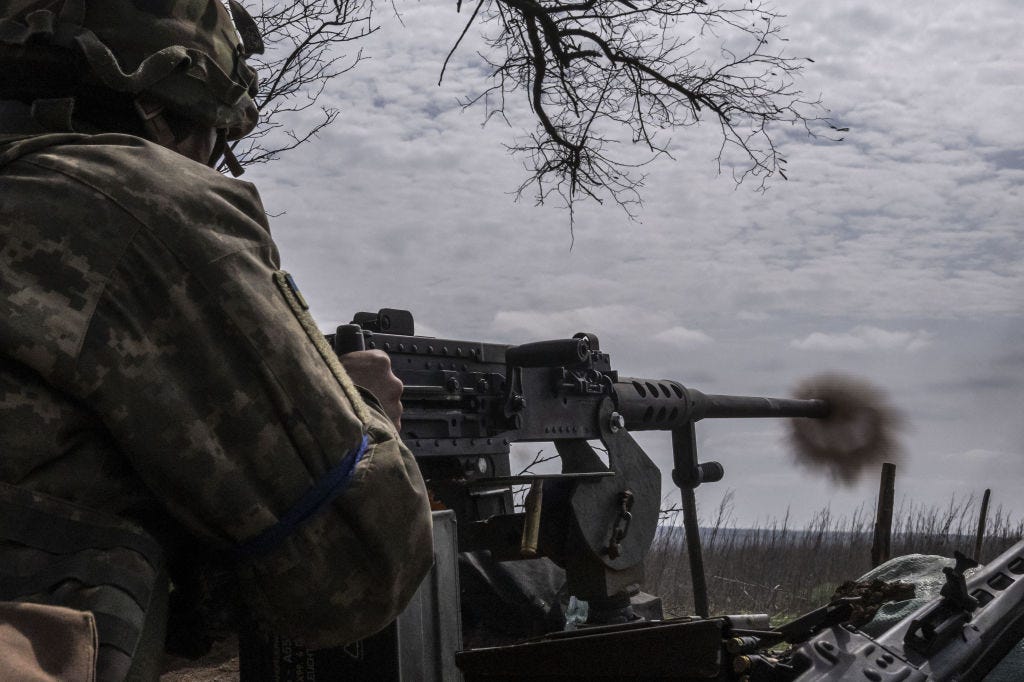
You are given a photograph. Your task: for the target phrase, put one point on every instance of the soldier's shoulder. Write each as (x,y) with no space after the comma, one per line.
(123,164)
(185,203)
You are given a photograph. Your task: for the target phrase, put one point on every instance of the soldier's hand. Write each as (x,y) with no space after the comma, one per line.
(371,369)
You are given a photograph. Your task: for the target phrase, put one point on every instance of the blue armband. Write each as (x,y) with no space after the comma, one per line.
(325,490)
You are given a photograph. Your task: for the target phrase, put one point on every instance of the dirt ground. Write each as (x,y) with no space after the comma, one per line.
(220,665)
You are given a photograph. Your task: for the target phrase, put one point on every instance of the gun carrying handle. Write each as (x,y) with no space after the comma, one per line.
(349,338)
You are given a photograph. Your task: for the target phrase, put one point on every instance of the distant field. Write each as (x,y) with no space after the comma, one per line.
(784,570)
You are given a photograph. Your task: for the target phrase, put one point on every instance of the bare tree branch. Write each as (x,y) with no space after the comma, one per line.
(600,76)
(593,70)
(304,42)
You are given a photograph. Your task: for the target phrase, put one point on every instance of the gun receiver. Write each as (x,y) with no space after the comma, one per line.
(466,402)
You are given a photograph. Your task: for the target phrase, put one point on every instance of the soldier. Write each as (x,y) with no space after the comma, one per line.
(166,401)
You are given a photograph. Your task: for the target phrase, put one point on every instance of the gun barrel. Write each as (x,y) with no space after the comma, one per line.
(662,405)
(729,406)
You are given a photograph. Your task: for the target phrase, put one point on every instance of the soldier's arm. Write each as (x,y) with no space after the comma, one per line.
(212,383)
(371,369)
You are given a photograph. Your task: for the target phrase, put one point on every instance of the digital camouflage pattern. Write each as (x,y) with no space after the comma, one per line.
(149,362)
(184,53)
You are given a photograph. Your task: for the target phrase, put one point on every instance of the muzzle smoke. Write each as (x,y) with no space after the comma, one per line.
(859,433)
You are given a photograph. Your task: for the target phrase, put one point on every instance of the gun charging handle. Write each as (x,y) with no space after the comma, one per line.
(349,338)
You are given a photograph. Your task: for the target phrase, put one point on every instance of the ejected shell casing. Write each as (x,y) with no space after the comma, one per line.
(531,524)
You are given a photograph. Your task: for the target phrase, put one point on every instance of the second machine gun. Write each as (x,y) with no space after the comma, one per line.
(466,402)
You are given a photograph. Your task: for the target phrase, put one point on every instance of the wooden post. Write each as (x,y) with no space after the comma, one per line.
(982,517)
(881,548)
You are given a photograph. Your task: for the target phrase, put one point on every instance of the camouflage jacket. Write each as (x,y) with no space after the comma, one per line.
(150,360)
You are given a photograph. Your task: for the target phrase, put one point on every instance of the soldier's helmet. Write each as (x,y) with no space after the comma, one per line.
(185,54)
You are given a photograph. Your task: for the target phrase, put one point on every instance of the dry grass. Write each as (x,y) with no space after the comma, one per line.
(784,570)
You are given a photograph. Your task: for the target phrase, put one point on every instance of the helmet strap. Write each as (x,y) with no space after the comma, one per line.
(153,122)
(231,161)
(218,149)
(222,154)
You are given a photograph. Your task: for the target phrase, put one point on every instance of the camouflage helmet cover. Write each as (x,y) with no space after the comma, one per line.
(184,53)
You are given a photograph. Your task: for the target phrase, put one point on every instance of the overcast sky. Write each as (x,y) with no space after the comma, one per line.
(895,255)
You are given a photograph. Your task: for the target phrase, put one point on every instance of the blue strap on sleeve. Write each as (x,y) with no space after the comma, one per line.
(325,490)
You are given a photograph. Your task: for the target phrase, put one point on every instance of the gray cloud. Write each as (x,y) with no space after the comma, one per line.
(896,255)
(681,337)
(1007,158)
(865,338)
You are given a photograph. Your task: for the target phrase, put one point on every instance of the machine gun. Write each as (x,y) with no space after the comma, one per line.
(963,634)
(466,402)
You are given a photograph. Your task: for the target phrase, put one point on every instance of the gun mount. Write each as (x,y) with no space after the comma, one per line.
(466,402)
